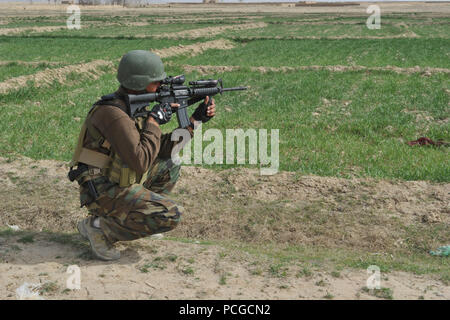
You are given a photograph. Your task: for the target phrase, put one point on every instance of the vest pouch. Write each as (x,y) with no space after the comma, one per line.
(127,176)
(120,173)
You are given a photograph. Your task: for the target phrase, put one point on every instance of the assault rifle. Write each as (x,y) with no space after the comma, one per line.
(172,90)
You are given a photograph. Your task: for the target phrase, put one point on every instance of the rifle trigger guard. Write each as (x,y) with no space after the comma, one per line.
(183,103)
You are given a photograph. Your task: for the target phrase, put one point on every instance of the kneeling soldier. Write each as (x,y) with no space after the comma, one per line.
(124,166)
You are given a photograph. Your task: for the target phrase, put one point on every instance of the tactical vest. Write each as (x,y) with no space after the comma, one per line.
(99,154)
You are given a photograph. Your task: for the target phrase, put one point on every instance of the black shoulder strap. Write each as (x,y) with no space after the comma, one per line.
(110,96)
(107,100)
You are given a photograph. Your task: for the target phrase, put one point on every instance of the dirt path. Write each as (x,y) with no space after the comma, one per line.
(20,9)
(357,214)
(29,63)
(211,31)
(9,31)
(163,269)
(48,76)
(211,18)
(194,49)
(208,69)
(408,34)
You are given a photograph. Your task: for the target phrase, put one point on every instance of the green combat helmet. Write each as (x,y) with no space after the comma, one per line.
(138,68)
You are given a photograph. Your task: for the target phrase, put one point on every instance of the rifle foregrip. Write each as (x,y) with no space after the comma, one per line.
(203,92)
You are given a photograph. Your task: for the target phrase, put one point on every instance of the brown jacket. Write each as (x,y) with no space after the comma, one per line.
(137,149)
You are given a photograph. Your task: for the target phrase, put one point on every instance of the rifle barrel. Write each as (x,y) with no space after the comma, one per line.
(234,89)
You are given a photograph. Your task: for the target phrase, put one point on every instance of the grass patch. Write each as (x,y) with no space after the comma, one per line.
(335,274)
(275,256)
(66,239)
(191,260)
(49,288)
(187,271)
(321,283)
(71,50)
(171,257)
(256,271)
(328,296)
(383,293)
(278,270)
(365,52)
(322,30)
(223,279)
(9,232)
(156,264)
(15,247)
(187,240)
(304,272)
(26,239)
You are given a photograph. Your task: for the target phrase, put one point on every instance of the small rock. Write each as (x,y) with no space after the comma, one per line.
(431,217)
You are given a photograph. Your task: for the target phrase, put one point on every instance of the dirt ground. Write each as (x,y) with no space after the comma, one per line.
(37,197)
(438,9)
(48,76)
(208,69)
(160,269)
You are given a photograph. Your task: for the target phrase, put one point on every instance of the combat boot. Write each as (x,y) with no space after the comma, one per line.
(101,247)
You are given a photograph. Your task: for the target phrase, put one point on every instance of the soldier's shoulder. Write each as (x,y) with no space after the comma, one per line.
(113,110)
(112,104)
(106,114)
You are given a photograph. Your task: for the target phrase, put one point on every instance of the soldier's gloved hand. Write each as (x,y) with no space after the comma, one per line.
(205,111)
(162,113)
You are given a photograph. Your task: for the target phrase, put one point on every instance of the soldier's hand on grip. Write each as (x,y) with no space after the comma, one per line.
(205,111)
(162,113)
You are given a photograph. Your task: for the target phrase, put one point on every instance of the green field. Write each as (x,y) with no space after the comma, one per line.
(367,52)
(74,50)
(341,124)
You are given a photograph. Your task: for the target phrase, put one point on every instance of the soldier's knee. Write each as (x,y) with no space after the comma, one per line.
(176,218)
(168,219)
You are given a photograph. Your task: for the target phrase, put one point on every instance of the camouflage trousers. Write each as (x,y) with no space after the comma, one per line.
(139,210)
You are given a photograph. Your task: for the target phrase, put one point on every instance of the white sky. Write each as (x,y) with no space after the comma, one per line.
(165,1)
